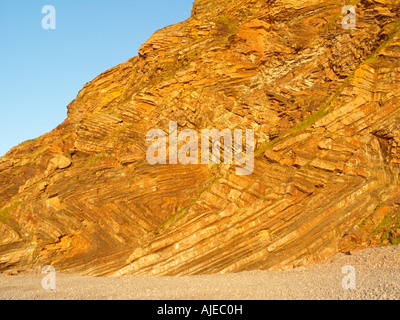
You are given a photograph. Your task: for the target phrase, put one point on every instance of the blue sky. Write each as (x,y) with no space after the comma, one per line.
(42,71)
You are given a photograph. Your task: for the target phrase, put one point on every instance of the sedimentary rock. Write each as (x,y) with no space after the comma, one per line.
(323,102)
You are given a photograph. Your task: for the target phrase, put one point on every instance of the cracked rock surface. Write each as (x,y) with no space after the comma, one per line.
(323,102)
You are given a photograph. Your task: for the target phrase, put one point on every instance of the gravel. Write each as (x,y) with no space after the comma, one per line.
(377,276)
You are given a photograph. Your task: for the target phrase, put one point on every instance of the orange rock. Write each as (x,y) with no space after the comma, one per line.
(321,100)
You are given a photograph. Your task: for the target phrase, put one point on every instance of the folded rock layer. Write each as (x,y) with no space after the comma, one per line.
(322,100)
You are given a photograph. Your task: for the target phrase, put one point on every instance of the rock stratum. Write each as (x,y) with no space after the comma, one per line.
(323,102)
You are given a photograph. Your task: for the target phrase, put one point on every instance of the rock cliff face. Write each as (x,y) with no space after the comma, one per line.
(323,102)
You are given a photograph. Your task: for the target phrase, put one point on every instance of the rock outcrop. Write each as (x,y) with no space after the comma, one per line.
(323,102)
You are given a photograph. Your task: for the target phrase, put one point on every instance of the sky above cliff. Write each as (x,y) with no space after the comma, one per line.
(42,70)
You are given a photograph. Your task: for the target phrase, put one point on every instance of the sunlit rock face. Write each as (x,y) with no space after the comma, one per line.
(323,102)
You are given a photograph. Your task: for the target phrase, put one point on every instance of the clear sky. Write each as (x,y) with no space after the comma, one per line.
(42,71)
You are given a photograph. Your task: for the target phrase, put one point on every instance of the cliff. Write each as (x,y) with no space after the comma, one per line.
(322,100)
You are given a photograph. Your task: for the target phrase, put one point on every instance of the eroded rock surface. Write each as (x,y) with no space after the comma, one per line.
(324,104)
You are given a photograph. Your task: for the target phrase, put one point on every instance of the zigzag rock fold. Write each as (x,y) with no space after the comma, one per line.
(323,101)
